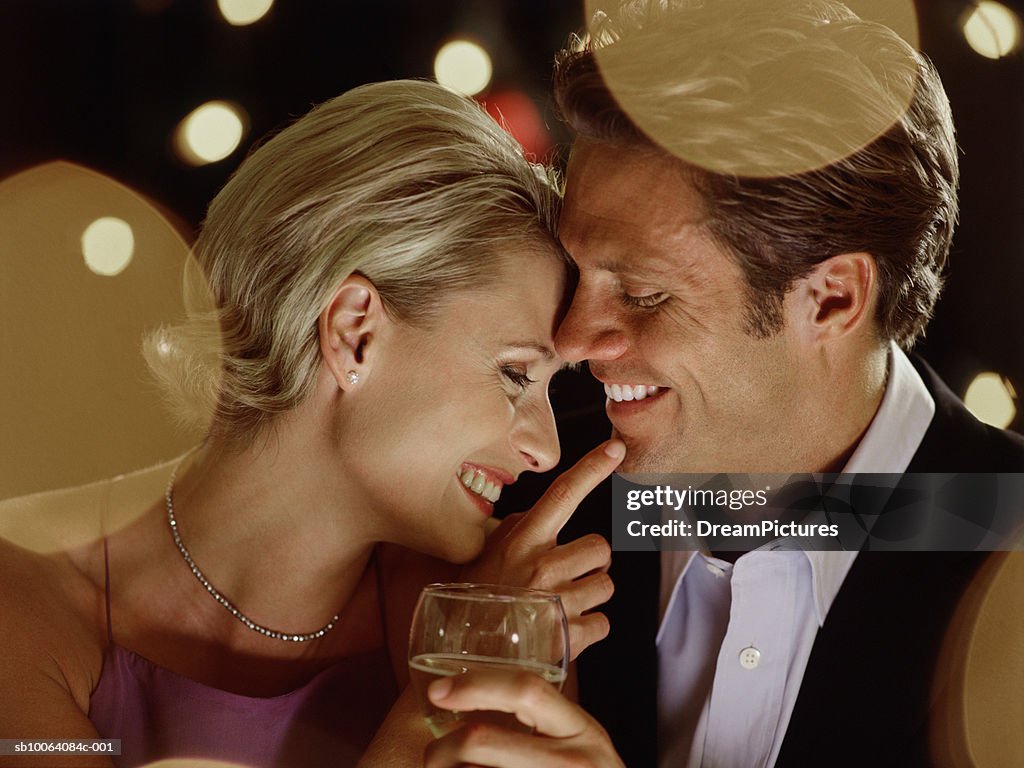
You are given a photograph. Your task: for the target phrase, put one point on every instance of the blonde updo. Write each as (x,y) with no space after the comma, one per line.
(404,182)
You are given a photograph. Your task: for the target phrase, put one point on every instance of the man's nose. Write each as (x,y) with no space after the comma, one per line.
(590,330)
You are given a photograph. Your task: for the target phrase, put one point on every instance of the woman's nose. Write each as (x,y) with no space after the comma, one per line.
(536,439)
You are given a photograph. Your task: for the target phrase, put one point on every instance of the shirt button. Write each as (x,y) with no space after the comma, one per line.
(750,657)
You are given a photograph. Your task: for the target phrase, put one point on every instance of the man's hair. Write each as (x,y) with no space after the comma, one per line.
(410,185)
(703,81)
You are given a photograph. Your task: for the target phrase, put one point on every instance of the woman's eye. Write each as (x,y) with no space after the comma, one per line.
(649,300)
(516,376)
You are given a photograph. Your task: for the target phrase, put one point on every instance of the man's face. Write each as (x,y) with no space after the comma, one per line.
(660,313)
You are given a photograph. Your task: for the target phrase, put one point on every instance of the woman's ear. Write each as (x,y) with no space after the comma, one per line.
(348,330)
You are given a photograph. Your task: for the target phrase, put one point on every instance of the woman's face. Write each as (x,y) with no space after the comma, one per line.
(451,413)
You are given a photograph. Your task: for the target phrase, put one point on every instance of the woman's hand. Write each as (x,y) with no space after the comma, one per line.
(565,734)
(523,551)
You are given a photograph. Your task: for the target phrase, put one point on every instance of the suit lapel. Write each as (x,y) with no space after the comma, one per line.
(867,691)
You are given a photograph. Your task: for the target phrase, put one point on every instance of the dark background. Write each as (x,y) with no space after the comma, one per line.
(104,83)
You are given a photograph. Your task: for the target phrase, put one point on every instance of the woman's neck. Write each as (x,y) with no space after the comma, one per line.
(275,529)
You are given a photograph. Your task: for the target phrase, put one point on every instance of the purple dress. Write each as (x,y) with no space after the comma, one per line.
(159,714)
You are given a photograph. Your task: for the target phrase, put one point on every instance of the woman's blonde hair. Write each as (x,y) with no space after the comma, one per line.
(412,186)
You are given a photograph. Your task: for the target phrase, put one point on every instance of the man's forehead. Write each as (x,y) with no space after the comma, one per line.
(622,174)
(628,211)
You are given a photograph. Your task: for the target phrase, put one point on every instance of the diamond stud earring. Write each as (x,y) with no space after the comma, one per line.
(352,377)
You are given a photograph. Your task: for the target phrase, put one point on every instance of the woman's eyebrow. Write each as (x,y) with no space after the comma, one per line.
(535,346)
(547,353)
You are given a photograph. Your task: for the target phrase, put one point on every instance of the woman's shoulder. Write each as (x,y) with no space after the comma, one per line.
(51,544)
(53,615)
(52,590)
(44,587)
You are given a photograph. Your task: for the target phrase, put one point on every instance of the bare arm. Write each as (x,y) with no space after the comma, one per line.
(402,738)
(48,658)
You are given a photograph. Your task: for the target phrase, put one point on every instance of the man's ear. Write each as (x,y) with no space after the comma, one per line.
(349,329)
(838,296)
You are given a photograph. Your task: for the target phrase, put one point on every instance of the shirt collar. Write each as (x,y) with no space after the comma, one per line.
(899,425)
(891,440)
(888,445)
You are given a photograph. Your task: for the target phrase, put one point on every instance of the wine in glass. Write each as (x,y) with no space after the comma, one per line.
(462,627)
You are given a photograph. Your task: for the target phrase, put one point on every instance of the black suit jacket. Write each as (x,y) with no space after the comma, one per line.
(867,691)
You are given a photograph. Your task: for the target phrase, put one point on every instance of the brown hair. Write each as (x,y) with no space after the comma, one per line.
(894,196)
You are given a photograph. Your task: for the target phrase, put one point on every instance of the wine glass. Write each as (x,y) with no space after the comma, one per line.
(463,627)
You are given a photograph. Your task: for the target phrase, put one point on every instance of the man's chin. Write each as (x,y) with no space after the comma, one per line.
(649,457)
(640,459)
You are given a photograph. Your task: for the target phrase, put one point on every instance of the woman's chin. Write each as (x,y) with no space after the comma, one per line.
(463,550)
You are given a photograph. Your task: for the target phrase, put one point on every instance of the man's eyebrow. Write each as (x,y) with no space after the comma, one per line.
(685,272)
(658,267)
(624,268)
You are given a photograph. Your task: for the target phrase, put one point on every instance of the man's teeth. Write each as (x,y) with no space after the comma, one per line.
(625,392)
(480,485)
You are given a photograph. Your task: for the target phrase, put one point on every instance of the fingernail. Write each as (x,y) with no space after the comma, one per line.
(439,689)
(616,449)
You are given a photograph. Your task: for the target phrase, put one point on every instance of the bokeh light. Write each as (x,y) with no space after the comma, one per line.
(463,66)
(783,116)
(518,114)
(991,397)
(211,132)
(111,420)
(243,12)
(108,245)
(992,29)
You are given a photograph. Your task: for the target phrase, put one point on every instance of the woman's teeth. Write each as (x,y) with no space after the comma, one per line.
(475,480)
(625,392)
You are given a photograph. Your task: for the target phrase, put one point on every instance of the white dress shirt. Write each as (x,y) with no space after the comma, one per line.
(734,640)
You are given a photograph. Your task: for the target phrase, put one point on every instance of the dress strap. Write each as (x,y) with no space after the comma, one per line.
(106,590)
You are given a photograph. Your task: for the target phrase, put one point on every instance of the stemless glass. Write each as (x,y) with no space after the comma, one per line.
(462,627)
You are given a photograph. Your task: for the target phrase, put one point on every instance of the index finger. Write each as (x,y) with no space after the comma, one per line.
(550,514)
(529,697)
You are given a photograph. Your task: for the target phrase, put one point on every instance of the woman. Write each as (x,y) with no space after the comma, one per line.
(387,288)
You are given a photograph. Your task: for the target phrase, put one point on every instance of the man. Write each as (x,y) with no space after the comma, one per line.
(760,201)
(770,312)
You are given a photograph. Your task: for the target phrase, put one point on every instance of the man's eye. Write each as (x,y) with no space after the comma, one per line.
(650,300)
(516,376)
